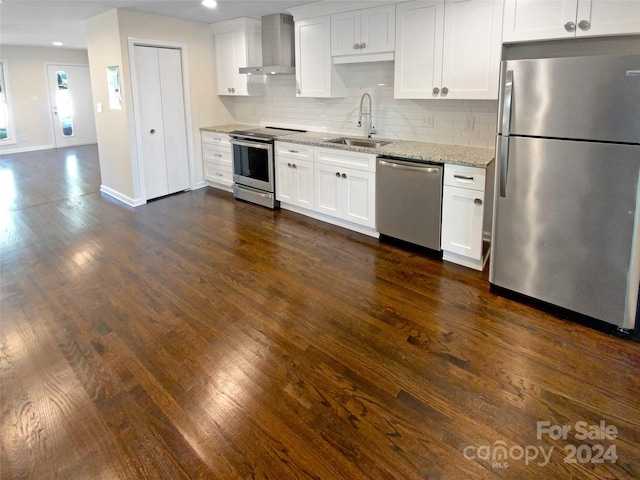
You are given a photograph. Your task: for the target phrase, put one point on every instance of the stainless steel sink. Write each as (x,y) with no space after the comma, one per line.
(358,142)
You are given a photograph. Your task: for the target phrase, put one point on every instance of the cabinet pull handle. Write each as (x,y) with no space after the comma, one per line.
(219,155)
(477,201)
(469,178)
(584,25)
(570,27)
(294,151)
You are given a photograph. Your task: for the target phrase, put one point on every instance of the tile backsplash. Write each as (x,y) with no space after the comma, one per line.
(437,121)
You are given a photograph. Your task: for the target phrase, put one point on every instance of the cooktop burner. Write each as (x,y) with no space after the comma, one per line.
(266,133)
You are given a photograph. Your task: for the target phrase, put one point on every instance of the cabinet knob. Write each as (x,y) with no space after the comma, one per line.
(289,165)
(344,175)
(570,27)
(436,90)
(356,46)
(152,131)
(338,174)
(445,90)
(233,90)
(584,25)
(477,201)
(294,165)
(363,45)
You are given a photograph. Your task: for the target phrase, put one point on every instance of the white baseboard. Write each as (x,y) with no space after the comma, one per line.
(7,151)
(121,197)
(201,184)
(333,221)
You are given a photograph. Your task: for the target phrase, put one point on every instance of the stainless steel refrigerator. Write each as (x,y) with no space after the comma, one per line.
(566,210)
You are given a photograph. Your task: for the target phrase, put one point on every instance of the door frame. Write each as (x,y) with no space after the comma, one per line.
(137,157)
(52,122)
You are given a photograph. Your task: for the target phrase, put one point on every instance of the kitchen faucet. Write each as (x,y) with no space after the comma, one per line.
(372,129)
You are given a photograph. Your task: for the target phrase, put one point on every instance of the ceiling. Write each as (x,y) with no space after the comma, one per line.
(41,22)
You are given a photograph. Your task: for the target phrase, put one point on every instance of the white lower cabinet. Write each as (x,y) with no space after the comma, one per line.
(294,181)
(345,193)
(334,185)
(463,216)
(216,157)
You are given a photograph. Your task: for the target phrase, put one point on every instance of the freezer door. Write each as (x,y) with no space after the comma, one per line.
(564,231)
(585,98)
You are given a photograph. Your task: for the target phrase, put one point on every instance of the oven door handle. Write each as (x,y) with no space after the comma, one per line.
(263,146)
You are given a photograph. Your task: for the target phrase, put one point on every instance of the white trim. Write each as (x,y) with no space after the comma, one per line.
(332,220)
(7,151)
(121,197)
(137,161)
(200,184)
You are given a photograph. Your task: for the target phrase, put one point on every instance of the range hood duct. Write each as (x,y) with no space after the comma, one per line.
(278,47)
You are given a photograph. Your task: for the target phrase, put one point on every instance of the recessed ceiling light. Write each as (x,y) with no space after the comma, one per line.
(58,44)
(210,3)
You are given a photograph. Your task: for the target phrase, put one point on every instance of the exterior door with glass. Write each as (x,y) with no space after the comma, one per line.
(71,105)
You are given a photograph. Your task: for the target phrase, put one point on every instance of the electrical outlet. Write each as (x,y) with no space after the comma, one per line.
(428,121)
(468,122)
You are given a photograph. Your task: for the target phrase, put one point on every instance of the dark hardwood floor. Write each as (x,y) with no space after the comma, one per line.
(202,337)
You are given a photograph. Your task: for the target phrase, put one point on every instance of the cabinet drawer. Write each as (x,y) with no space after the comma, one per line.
(216,154)
(215,138)
(472,178)
(218,173)
(294,150)
(342,158)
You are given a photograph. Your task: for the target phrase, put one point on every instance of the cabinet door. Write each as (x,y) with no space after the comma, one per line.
(231,52)
(472,47)
(358,197)
(328,194)
(285,181)
(607,17)
(345,33)
(462,218)
(378,29)
(294,182)
(313,57)
(539,19)
(419,42)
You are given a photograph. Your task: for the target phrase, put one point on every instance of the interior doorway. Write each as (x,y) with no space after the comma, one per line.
(71,104)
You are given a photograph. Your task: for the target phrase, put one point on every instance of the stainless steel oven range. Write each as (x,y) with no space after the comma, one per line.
(254,165)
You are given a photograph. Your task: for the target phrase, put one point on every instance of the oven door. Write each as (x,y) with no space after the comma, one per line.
(253,164)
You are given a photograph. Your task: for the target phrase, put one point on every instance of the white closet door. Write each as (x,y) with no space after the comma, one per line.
(162,120)
(175,132)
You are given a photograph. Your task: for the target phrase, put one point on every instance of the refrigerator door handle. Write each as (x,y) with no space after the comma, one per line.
(504,165)
(633,280)
(507,102)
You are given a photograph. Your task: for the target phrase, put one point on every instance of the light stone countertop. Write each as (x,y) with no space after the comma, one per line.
(411,150)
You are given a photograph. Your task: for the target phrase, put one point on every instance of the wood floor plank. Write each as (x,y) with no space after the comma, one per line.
(202,337)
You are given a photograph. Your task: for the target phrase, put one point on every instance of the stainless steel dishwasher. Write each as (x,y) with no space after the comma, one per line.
(409,201)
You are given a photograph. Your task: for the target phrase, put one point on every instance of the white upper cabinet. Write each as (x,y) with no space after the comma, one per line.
(238,44)
(356,36)
(315,73)
(448,49)
(526,20)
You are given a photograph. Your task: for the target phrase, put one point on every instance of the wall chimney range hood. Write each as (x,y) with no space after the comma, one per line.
(278,50)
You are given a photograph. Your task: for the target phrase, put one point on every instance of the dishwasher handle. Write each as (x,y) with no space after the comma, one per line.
(403,166)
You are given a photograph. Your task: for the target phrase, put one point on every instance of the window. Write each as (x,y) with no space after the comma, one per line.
(6,120)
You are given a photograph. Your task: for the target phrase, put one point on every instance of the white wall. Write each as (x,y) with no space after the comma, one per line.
(108,36)
(29,93)
(396,119)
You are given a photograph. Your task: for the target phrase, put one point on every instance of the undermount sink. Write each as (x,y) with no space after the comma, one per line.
(358,142)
